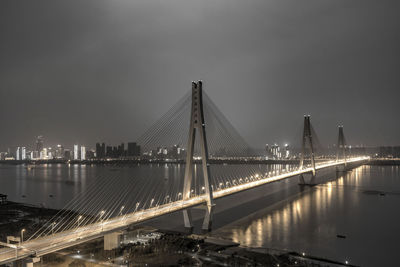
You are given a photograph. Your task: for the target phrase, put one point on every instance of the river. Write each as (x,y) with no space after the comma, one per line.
(361,205)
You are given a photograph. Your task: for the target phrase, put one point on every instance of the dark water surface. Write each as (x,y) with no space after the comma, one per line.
(55,185)
(362,205)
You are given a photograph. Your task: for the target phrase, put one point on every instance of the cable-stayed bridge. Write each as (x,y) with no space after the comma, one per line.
(198,132)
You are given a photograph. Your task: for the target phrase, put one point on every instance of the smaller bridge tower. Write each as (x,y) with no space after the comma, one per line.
(307,140)
(341,150)
(341,145)
(197,125)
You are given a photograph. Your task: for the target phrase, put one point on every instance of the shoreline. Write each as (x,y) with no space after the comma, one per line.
(110,162)
(15,216)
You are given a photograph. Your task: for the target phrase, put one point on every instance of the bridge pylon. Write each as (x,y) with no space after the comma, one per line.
(197,125)
(307,139)
(341,149)
(341,145)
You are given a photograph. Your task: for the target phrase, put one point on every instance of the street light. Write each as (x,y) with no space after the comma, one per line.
(101,214)
(52,227)
(22,235)
(137,205)
(80,217)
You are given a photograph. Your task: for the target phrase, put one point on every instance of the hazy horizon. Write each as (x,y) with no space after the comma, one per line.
(104,71)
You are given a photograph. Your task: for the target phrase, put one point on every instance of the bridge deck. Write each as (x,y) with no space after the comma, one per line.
(58,241)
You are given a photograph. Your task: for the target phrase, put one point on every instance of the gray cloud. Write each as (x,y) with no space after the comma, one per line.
(87,71)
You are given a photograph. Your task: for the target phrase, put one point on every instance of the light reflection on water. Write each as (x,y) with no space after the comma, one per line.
(350,205)
(280,222)
(308,221)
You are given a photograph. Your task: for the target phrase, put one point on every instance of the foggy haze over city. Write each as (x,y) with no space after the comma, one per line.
(104,71)
(199,133)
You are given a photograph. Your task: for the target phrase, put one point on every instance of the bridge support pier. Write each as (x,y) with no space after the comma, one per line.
(311,182)
(207,218)
(187,219)
(30,261)
(197,125)
(112,241)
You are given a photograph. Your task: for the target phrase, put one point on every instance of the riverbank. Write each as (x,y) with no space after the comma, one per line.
(384,162)
(137,249)
(14,217)
(129,161)
(177,249)
(30,164)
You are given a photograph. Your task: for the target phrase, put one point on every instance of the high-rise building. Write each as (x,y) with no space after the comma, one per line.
(59,152)
(103,150)
(268,152)
(90,154)
(276,151)
(174,151)
(137,151)
(43,154)
(50,153)
(18,154)
(121,150)
(23,153)
(287,152)
(83,153)
(100,150)
(67,154)
(133,150)
(76,152)
(35,155)
(39,143)
(109,152)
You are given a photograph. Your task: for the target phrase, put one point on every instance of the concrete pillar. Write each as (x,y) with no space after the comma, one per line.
(187,218)
(112,241)
(302,180)
(208,218)
(30,261)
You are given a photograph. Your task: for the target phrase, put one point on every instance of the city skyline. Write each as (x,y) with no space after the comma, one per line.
(110,75)
(133,150)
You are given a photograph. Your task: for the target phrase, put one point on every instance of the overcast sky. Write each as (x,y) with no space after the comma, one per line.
(88,71)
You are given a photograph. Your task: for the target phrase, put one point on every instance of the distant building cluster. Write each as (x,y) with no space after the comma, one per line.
(82,153)
(103,151)
(276,152)
(78,152)
(389,152)
(174,152)
(40,152)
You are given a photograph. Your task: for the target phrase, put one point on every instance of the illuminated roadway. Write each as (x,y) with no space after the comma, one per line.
(51,243)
